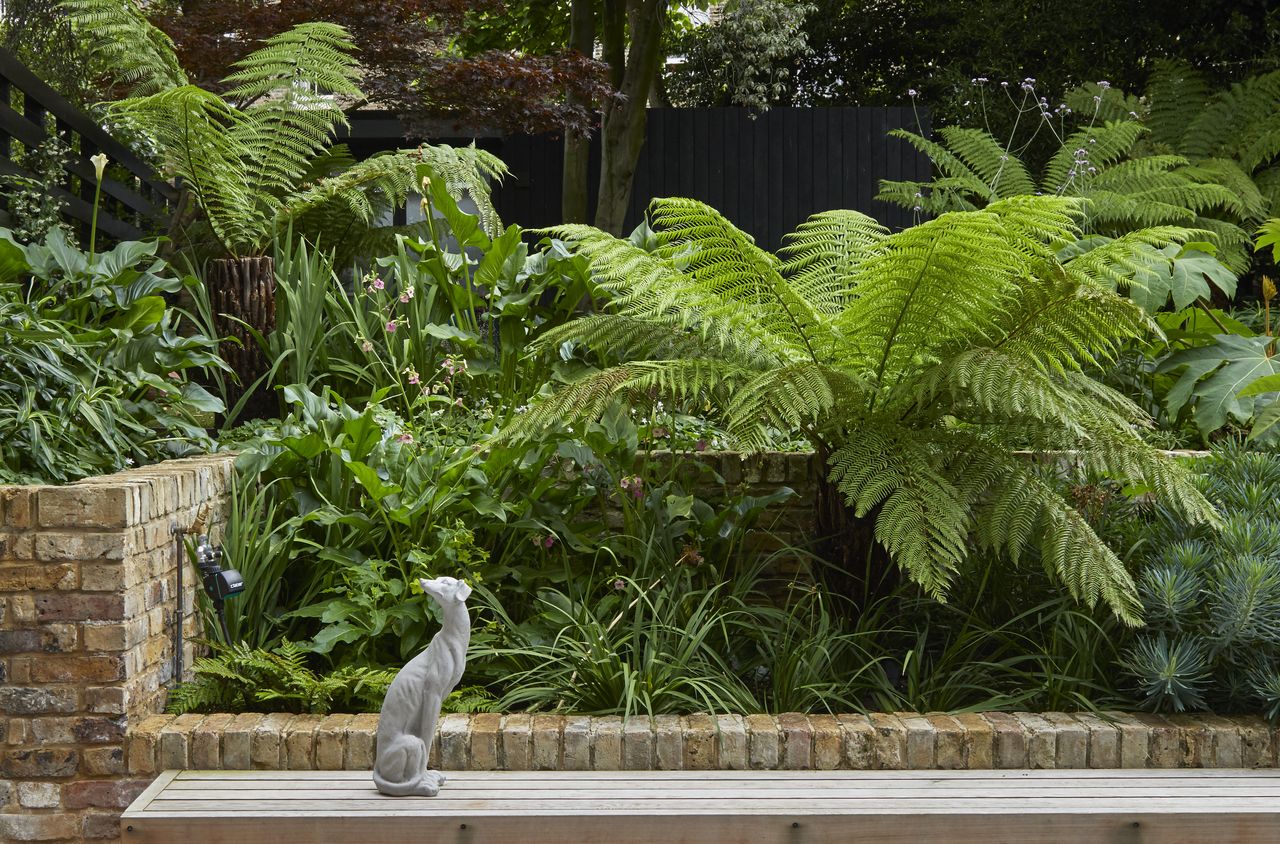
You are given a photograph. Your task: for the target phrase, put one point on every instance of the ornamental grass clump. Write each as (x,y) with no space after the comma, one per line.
(916,364)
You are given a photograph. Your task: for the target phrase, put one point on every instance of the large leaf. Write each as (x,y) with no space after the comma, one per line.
(1215,375)
(1187,276)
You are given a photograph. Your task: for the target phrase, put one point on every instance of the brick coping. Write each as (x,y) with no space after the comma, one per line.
(788,741)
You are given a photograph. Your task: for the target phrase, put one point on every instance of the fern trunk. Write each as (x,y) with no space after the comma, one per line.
(857,566)
(243,294)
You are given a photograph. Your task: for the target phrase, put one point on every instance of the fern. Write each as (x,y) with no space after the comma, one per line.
(243,678)
(919,361)
(1128,185)
(260,160)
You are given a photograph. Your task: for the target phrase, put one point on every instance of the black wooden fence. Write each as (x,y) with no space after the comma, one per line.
(766,172)
(134,202)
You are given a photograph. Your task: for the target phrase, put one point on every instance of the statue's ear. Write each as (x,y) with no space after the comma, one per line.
(464,591)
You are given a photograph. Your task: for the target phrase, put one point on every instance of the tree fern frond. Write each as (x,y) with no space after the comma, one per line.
(137,52)
(984,155)
(821,256)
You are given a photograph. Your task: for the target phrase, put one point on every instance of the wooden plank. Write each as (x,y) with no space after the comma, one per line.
(1197,774)
(835,797)
(457,783)
(672,829)
(158,785)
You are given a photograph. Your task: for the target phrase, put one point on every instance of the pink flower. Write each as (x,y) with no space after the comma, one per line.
(379,284)
(700,445)
(391,327)
(619,584)
(175,376)
(633,485)
(413,375)
(548,542)
(406,437)
(407,294)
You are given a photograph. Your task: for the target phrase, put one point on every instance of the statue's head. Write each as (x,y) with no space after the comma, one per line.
(446,590)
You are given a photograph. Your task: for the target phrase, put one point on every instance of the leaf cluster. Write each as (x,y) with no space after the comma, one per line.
(98,371)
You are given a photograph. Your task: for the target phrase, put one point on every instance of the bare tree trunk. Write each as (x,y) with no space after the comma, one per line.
(577,147)
(622,135)
(242,292)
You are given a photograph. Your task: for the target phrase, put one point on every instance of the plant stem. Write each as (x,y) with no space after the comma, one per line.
(93,224)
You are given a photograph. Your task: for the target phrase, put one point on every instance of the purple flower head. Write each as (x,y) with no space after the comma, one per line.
(391,327)
(700,445)
(379,284)
(1104,84)
(619,584)
(406,437)
(912,92)
(549,541)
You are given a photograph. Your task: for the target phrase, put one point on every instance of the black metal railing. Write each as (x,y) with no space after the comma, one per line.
(135,201)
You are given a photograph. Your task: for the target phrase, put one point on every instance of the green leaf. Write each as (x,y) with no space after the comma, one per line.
(1264,420)
(142,314)
(503,260)
(1265,384)
(1216,375)
(198,398)
(13,261)
(368,478)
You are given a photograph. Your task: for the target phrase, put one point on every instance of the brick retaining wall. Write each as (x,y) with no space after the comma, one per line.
(88,608)
(703,742)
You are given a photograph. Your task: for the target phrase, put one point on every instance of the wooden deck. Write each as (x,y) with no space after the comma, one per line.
(683,807)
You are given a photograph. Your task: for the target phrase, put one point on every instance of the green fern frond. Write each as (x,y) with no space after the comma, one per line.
(123,39)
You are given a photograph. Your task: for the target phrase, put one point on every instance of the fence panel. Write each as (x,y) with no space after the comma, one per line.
(135,201)
(767,173)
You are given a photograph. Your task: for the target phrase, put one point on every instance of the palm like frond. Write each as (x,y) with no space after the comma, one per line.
(259,161)
(918,360)
(1129,185)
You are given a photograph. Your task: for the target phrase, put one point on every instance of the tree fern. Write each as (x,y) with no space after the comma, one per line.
(918,361)
(1110,164)
(257,160)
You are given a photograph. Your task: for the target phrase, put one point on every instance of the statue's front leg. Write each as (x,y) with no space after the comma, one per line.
(427,730)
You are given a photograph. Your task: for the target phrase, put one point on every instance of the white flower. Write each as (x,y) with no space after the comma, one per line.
(99,165)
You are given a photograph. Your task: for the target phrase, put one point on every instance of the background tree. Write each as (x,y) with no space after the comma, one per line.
(871,52)
(412,58)
(742,58)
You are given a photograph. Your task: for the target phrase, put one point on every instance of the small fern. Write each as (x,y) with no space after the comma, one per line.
(244,679)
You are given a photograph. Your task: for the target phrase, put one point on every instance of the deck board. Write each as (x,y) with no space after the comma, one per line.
(795,807)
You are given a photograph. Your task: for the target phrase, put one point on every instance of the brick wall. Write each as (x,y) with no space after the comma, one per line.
(88,607)
(789,741)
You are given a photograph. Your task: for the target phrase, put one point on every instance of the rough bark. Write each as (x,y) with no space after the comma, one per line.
(856,565)
(622,134)
(577,145)
(242,292)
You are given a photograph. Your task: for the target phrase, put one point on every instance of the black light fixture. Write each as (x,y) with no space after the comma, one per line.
(219,583)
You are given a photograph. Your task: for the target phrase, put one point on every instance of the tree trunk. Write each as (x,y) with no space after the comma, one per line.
(242,292)
(857,566)
(622,135)
(577,147)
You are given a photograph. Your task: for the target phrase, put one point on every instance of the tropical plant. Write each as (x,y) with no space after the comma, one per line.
(1213,599)
(96,369)
(1127,188)
(257,159)
(916,363)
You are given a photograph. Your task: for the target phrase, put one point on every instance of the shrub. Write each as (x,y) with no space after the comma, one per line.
(96,369)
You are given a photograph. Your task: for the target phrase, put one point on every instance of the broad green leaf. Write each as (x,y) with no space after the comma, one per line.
(198,398)
(377,488)
(502,261)
(1215,375)
(142,314)
(1265,384)
(1264,420)
(13,261)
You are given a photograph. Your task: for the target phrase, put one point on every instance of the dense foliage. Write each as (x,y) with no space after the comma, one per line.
(98,371)
(916,362)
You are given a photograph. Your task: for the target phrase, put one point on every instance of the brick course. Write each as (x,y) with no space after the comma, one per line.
(789,741)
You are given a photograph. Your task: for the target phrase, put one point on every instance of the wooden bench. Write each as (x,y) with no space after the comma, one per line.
(675,807)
